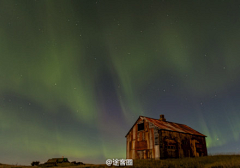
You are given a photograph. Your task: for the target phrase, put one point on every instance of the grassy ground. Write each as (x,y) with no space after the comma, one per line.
(217,161)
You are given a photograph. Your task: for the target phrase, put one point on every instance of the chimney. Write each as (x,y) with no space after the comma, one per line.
(162,118)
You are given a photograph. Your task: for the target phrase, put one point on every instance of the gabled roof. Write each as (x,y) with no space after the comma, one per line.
(51,161)
(54,160)
(170,126)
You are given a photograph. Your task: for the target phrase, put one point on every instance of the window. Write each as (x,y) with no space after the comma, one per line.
(140,126)
(171,147)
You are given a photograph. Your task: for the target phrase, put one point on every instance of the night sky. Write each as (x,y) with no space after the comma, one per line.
(76,74)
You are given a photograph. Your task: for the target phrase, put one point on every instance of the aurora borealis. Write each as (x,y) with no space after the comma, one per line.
(76,74)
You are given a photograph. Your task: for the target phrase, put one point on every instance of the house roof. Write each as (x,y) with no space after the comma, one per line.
(170,126)
(54,160)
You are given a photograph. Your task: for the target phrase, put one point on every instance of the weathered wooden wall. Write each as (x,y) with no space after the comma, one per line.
(143,144)
(176,144)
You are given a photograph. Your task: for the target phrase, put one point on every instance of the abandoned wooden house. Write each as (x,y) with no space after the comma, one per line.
(160,139)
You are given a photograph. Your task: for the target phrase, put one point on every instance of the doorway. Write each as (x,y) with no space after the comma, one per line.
(140,154)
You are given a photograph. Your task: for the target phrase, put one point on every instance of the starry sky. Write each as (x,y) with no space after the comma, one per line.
(76,74)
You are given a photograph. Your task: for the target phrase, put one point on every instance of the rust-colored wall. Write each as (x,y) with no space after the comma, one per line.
(141,143)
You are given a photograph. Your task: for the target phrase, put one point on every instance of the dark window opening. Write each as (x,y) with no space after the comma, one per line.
(171,147)
(140,126)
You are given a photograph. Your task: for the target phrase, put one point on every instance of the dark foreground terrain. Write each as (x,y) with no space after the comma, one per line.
(217,161)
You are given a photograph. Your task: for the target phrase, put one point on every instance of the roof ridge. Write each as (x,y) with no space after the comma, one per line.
(165,121)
